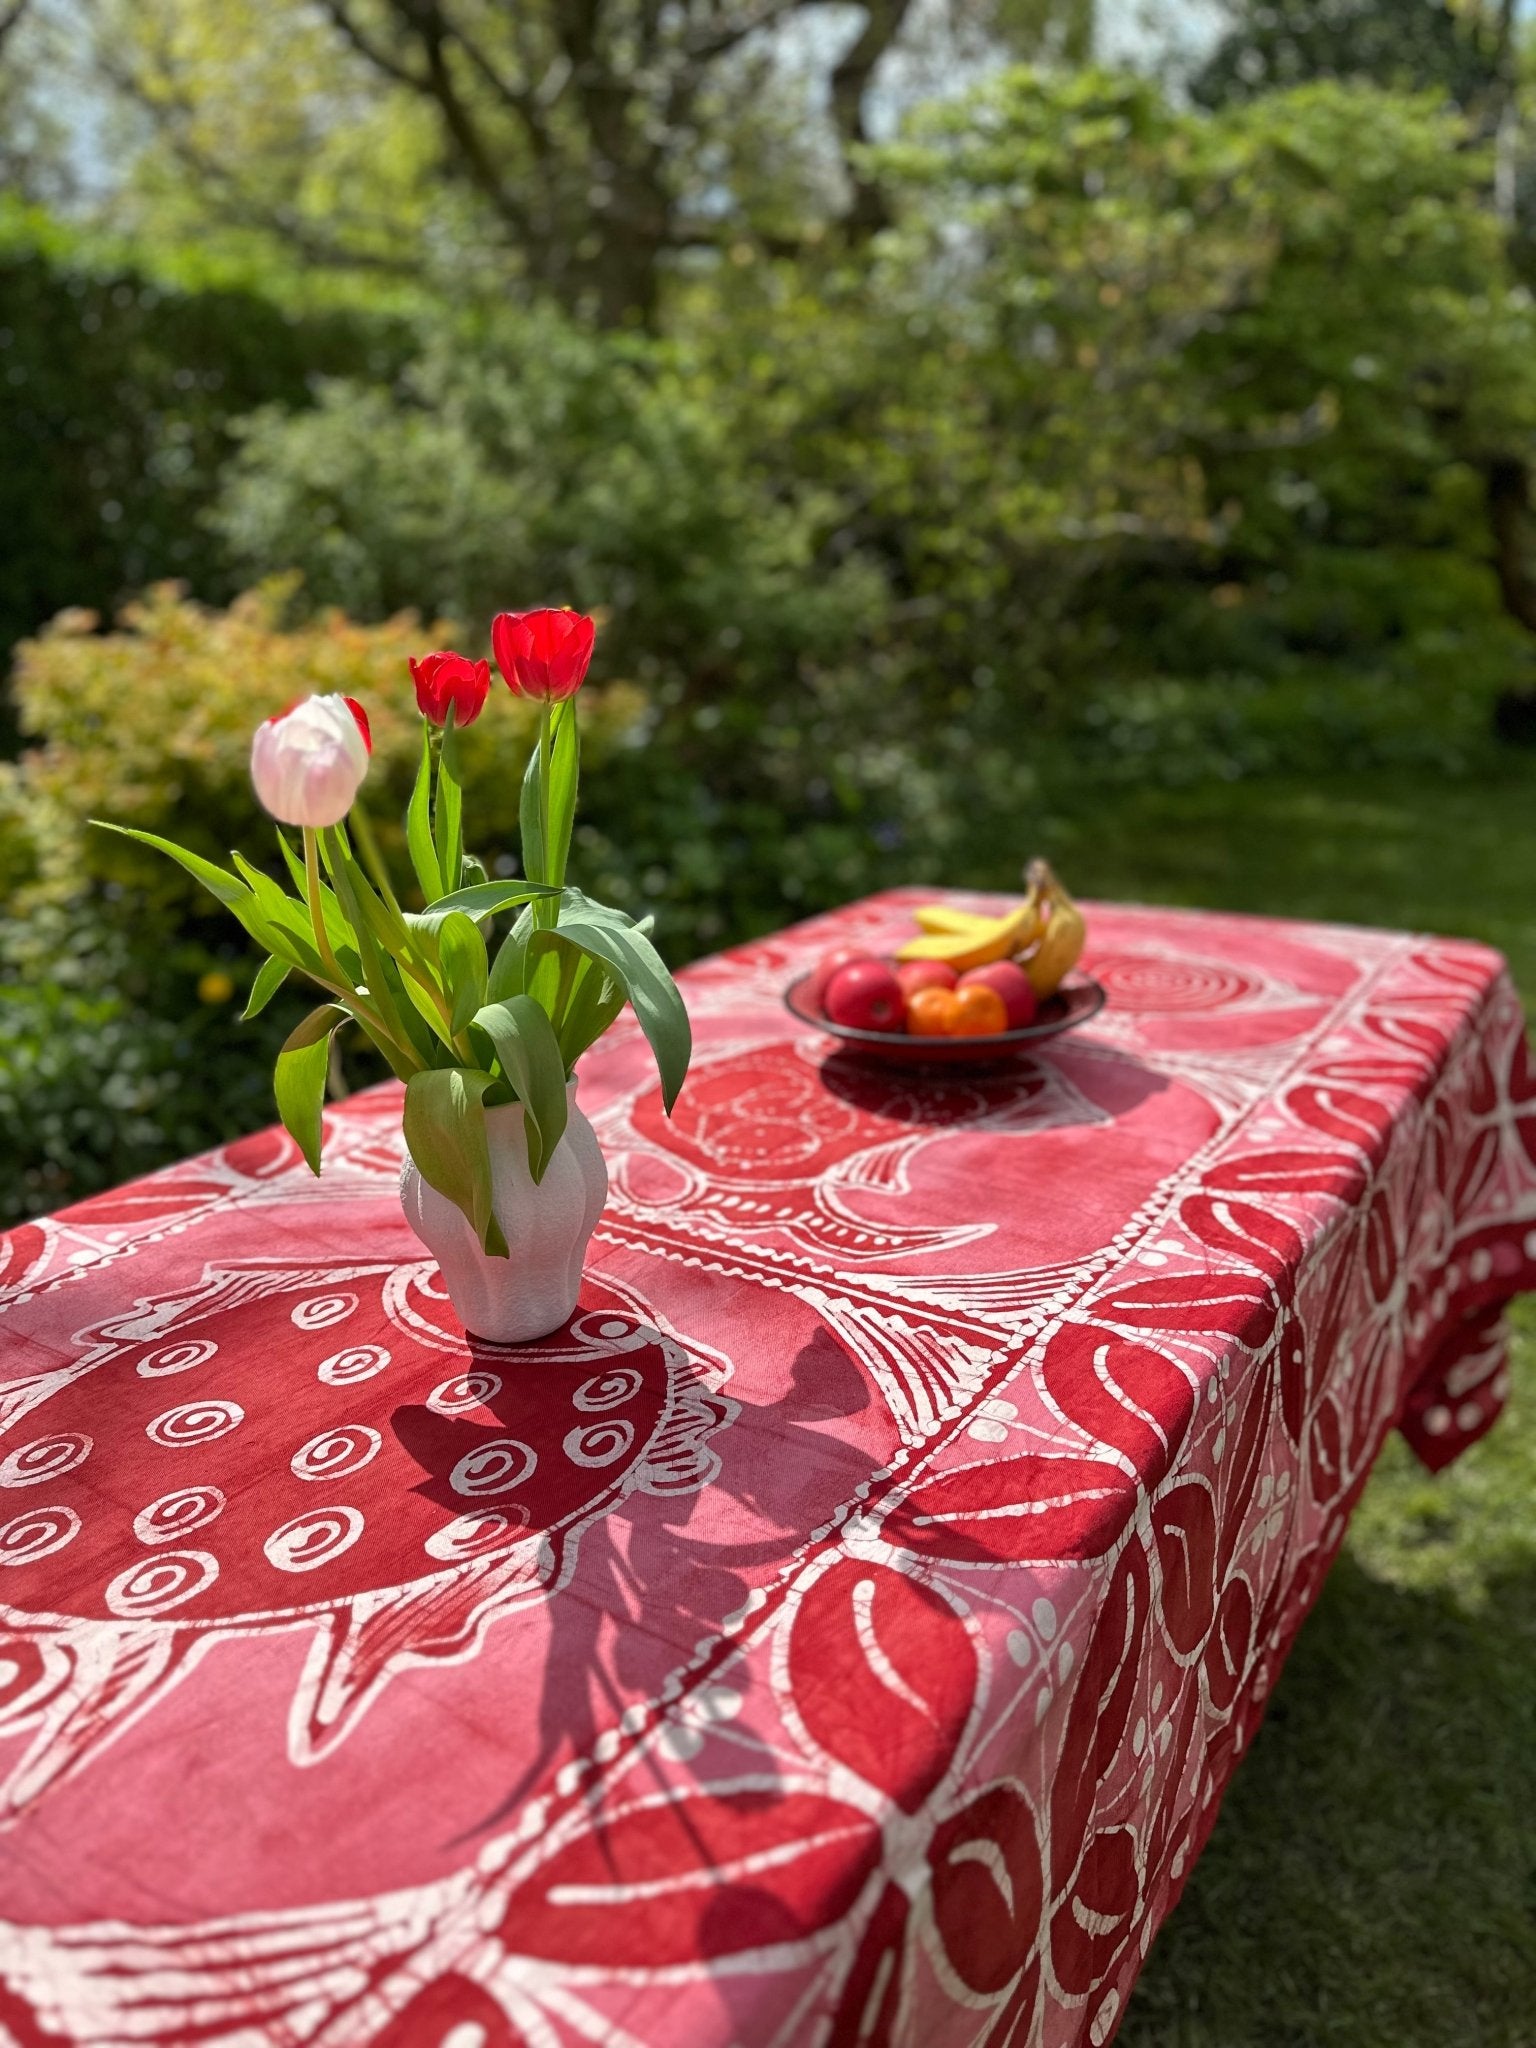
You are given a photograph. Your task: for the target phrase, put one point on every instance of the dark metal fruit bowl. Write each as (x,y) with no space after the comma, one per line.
(1074,1003)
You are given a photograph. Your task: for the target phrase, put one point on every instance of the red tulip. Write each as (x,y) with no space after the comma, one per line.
(543,654)
(444,680)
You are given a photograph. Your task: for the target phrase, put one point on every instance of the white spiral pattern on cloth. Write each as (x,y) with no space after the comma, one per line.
(607,1390)
(500,1466)
(610,1333)
(323,1311)
(469,1535)
(178,1514)
(313,1539)
(465,1390)
(46,1457)
(174,1358)
(37,1532)
(346,1368)
(595,1444)
(335,1452)
(154,1585)
(194,1422)
(1171,986)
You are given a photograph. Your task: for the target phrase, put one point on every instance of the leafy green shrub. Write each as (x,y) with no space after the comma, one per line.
(151,726)
(94,1089)
(119,1047)
(115,397)
(531,461)
(531,456)
(1128,393)
(1268,356)
(1127,388)
(1148,446)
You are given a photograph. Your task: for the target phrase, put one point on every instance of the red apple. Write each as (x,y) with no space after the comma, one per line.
(815,996)
(920,974)
(1012,984)
(866,996)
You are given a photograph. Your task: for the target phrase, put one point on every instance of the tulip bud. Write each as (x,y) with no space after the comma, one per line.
(543,654)
(450,679)
(309,761)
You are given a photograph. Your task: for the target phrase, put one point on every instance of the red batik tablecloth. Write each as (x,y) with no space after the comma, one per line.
(843,1632)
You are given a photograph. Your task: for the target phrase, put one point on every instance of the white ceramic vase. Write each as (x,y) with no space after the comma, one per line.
(547,1228)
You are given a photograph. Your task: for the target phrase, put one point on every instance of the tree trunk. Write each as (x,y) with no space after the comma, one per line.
(621,286)
(1509,504)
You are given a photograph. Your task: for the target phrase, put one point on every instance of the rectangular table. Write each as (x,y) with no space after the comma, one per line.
(844,1630)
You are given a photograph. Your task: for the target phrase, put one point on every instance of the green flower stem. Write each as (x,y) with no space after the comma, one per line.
(409,958)
(402,1064)
(363,1013)
(568,965)
(316,914)
(351,885)
(373,860)
(376,1012)
(423,980)
(448,807)
(546,909)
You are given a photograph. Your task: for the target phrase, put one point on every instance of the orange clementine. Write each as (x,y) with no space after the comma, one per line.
(931,1013)
(979,1011)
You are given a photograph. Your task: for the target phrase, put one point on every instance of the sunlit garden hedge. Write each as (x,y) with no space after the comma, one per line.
(1146,447)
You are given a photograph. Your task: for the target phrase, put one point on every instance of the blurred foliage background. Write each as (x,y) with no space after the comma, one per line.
(974,424)
(983,427)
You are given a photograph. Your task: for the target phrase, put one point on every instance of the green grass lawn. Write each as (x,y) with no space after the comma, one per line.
(1371,1882)
(1387,849)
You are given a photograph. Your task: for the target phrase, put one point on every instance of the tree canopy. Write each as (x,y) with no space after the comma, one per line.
(1467,51)
(583,144)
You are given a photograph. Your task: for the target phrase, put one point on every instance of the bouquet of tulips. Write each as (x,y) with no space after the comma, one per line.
(462,1027)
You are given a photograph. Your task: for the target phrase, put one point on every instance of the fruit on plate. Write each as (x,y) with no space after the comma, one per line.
(989,938)
(916,975)
(932,1011)
(1043,935)
(864,995)
(979,1012)
(825,968)
(944,917)
(970,1011)
(1008,980)
(1061,937)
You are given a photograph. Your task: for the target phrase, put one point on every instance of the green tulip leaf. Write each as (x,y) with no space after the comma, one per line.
(525,1044)
(633,961)
(219,882)
(596,1000)
(483,899)
(421,1002)
(509,967)
(465,966)
(269,979)
(444,1124)
(299,1078)
(418,824)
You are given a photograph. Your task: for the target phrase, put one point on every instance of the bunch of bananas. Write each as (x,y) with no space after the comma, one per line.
(1045,934)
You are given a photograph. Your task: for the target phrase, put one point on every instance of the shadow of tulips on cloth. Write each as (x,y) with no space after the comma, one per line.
(649,1583)
(1371,1882)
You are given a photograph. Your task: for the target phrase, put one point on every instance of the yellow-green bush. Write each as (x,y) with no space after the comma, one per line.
(119,977)
(150,725)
